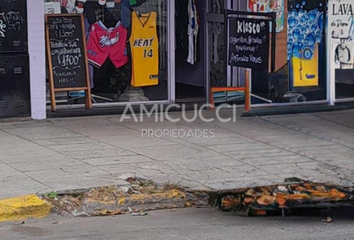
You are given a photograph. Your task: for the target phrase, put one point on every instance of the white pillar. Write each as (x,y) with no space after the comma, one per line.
(330,59)
(36,48)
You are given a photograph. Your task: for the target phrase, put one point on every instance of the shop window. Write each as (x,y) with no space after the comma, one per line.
(300,59)
(342,43)
(126,49)
(216,48)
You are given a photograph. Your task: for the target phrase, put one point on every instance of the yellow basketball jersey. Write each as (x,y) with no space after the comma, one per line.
(144,50)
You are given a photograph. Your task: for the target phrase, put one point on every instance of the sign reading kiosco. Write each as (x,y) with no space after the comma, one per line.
(249,43)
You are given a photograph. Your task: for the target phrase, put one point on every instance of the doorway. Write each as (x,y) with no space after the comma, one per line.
(190,54)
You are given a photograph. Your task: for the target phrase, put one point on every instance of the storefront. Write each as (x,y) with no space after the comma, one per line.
(300,55)
(341,50)
(306,71)
(14,64)
(313,53)
(129,50)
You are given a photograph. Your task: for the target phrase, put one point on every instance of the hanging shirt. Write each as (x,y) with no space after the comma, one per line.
(126,13)
(193,30)
(69,5)
(144,45)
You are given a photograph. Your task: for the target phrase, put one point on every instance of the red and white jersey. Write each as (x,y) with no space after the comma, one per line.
(106,43)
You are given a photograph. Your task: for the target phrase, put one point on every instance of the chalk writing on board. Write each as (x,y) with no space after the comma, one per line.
(2,29)
(13,26)
(13,20)
(249,43)
(67,51)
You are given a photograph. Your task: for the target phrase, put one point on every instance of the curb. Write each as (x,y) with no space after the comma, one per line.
(283,110)
(24,207)
(142,196)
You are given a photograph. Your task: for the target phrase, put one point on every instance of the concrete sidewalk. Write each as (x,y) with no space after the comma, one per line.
(76,153)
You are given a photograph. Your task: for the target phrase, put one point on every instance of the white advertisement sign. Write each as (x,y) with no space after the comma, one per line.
(52,7)
(341,32)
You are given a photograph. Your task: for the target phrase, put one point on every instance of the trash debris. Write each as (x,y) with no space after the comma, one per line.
(295,193)
(130,210)
(106,212)
(139,214)
(136,212)
(327,220)
(19,223)
(141,196)
(77,213)
(136,198)
(129,177)
(231,202)
(125,188)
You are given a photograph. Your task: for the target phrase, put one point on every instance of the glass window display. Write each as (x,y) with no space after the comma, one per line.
(126,49)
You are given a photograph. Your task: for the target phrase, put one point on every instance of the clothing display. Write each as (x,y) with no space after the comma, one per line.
(144,50)
(91,68)
(187,30)
(95,12)
(106,43)
(102,2)
(126,13)
(79,6)
(137,3)
(69,5)
(193,29)
(126,47)
(216,30)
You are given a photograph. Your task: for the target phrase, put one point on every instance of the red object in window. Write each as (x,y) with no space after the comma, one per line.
(64,3)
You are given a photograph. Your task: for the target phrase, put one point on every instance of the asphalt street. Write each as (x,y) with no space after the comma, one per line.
(184,224)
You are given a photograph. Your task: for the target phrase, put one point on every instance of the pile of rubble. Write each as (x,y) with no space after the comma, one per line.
(293,194)
(136,198)
(143,195)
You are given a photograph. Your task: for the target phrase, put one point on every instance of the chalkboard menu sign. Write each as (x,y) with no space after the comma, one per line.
(249,43)
(13,26)
(67,57)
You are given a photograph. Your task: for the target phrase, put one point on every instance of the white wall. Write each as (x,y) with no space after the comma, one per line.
(36,45)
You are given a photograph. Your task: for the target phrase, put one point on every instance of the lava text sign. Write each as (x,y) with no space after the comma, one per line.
(248,43)
(67,57)
(341,34)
